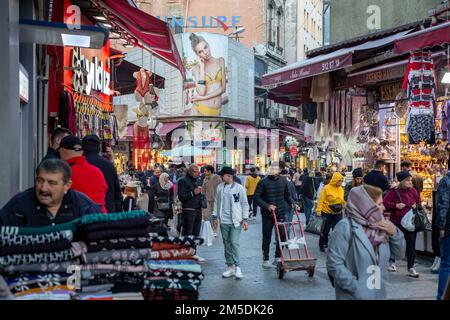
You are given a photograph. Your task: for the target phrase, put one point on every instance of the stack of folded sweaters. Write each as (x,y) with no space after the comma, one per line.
(99,257)
(173,273)
(117,245)
(34,261)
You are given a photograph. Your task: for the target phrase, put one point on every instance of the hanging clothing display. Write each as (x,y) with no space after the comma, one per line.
(332,112)
(419,81)
(91,118)
(342,110)
(309,111)
(121,112)
(348,114)
(313,153)
(319,118)
(357,104)
(320,88)
(326,120)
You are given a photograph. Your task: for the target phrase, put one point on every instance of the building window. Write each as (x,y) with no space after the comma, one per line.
(279,28)
(271,18)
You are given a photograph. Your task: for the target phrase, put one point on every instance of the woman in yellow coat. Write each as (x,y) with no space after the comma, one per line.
(331,203)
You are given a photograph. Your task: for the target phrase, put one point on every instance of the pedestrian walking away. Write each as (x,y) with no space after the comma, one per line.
(232,208)
(360,241)
(91,148)
(399,201)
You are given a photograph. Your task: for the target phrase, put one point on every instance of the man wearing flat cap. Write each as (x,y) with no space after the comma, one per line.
(86,178)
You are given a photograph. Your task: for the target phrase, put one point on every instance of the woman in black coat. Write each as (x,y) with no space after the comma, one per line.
(161,198)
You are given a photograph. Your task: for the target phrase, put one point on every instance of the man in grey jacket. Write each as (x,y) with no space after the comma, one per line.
(231,206)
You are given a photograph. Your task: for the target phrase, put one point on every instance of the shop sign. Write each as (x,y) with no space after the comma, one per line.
(97,77)
(23,84)
(378,76)
(293,150)
(389,92)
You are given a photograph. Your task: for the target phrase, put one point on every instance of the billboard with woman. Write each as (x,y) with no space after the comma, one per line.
(205,90)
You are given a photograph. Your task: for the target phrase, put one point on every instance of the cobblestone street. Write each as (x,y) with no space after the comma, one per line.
(262,284)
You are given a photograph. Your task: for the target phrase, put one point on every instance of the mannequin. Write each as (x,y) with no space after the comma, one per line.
(143,114)
(144,89)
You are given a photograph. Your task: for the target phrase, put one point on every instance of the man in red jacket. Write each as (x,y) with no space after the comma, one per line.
(86,178)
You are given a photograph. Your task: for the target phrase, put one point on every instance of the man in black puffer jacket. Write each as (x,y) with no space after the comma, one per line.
(113,199)
(272,193)
(189,193)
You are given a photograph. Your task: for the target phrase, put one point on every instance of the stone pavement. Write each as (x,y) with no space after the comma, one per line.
(259,284)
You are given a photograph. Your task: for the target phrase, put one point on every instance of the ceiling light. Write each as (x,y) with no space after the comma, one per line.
(107,25)
(71,40)
(123,40)
(100,18)
(128,45)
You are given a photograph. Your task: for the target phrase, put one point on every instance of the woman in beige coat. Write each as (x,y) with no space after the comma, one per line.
(210,185)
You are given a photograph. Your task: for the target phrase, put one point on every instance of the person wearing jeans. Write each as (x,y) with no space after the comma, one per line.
(443,223)
(399,201)
(232,207)
(272,194)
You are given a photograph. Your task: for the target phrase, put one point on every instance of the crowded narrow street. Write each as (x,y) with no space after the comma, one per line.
(260,284)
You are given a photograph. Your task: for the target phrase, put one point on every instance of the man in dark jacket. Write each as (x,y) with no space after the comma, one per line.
(91,148)
(189,193)
(357,181)
(308,193)
(443,223)
(55,139)
(50,201)
(272,193)
(377,177)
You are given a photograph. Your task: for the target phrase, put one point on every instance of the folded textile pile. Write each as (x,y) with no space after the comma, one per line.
(173,274)
(117,246)
(35,261)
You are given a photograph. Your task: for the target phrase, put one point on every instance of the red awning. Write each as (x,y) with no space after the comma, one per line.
(169,127)
(296,130)
(243,128)
(149,32)
(324,63)
(292,93)
(427,38)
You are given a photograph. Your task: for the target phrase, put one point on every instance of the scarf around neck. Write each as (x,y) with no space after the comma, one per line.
(165,185)
(363,210)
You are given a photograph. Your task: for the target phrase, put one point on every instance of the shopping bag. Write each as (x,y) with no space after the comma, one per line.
(315,224)
(207,233)
(408,221)
(421,221)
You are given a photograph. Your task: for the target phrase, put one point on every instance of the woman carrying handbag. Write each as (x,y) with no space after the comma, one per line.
(399,201)
(161,199)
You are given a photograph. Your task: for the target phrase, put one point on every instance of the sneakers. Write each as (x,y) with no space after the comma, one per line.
(199,259)
(412,273)
(266,264)
(436,265)
(230,272)
(238,273)
(392,267)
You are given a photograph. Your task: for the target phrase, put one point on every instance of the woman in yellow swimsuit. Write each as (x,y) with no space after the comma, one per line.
(210,81)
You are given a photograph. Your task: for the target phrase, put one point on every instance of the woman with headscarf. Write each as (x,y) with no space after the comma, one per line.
(331,203)
(360,247)
(398,201)
(160,198)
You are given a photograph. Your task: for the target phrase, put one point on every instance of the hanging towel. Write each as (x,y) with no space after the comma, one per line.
(320,88)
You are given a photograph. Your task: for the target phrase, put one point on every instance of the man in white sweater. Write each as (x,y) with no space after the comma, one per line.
(231,207)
